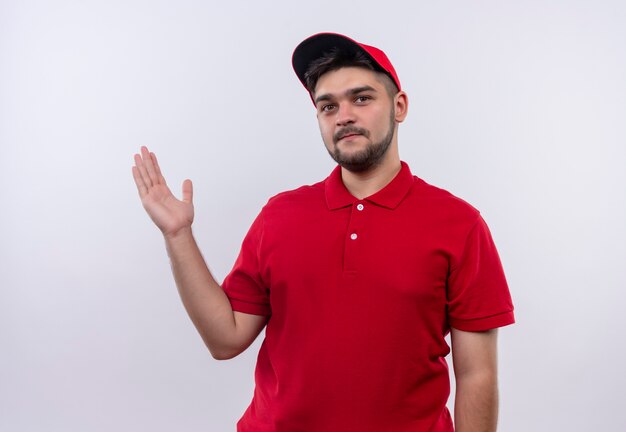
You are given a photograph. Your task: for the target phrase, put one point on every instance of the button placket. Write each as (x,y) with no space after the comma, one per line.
(354,237)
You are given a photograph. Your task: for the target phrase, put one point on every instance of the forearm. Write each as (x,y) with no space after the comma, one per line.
(476,402)
(203,298)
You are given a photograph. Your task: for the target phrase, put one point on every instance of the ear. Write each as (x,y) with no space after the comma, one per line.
(401,104)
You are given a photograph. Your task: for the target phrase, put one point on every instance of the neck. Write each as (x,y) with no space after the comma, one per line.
(366,183)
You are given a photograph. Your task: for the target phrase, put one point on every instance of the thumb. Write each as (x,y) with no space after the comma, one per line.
(187,191)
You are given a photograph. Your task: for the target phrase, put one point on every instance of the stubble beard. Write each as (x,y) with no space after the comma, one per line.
(365,159)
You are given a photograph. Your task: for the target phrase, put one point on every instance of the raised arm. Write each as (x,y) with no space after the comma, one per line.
(225,333)
(474,356)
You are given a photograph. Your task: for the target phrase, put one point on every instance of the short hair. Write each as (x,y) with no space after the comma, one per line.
(337,59)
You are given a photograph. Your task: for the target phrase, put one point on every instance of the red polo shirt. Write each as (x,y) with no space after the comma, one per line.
(361,294)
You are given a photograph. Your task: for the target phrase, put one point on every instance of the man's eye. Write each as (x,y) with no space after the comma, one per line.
(328,107)
(361,99)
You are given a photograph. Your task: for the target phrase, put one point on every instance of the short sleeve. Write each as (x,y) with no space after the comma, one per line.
(477,292)
(244,286)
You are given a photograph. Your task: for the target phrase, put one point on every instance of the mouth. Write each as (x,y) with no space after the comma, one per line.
(349,135)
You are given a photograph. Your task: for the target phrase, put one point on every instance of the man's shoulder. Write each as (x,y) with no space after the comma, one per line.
(442,201)
(303,195)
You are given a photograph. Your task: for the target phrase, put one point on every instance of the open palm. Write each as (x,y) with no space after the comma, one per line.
(168,213)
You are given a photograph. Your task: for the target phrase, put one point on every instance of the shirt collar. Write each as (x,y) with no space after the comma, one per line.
(338,196)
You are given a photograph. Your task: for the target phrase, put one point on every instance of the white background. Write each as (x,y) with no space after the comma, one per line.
(517,107)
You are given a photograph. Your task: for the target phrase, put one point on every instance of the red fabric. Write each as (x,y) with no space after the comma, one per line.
(355,341)
(320,44)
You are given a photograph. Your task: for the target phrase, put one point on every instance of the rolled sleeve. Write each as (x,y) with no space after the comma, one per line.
(477,291)
(244,285)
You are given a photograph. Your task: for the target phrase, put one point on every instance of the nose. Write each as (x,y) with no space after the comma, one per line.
(345,115)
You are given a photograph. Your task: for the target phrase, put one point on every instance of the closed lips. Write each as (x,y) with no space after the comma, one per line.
(349,135)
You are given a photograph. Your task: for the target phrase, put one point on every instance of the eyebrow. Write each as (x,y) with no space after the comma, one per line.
(349,92)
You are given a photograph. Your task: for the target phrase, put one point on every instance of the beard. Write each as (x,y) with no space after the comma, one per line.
(368,157)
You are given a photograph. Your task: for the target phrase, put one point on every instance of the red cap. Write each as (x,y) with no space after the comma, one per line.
(317,45)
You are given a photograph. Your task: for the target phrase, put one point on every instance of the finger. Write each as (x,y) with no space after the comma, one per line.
(141,186)
(147,161)
(157,169)
(187,191)
(142,171)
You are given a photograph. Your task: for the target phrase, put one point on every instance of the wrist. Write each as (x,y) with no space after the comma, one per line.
(178,235)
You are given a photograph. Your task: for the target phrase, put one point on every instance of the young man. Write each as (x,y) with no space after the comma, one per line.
(358,278)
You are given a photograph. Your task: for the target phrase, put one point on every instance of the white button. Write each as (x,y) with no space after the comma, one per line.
(359,207)
(353,236)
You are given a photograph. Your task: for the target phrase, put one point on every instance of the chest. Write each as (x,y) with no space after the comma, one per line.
(400,253)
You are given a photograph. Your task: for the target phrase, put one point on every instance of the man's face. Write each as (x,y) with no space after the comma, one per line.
(356,116)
